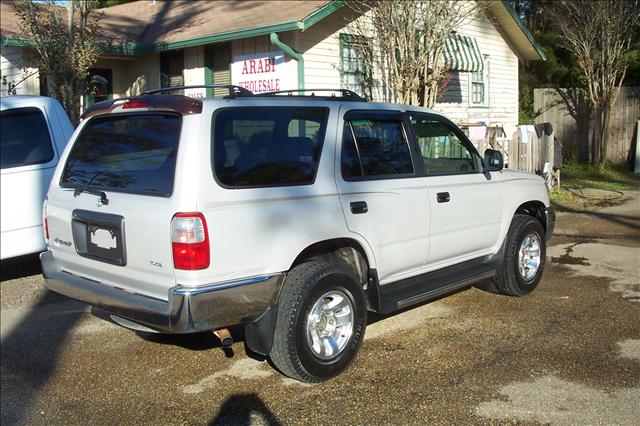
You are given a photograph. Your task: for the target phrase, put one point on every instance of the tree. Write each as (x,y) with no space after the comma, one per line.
(402,42)
(599,33)
(559,72)
(63,41)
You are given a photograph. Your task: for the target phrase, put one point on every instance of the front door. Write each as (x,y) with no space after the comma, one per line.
(383,197)
(465,203)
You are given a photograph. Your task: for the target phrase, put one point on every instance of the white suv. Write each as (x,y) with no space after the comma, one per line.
(290,215)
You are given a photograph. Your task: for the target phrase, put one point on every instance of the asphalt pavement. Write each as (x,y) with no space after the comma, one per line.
(567,354)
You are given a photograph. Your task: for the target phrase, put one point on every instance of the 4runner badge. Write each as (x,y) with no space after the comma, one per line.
(60,242)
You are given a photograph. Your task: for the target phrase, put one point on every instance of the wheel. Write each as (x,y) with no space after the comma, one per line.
(524,257)
(321,320)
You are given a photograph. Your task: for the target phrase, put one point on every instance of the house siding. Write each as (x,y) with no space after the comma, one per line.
(11,63)
(321,47)
(502,82)
(133,76)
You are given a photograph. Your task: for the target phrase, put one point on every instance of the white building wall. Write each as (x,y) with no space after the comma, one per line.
(11,64)
(132,76)
(321,47)
(503,81)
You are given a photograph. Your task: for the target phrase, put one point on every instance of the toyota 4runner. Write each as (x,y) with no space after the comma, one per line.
(290,215)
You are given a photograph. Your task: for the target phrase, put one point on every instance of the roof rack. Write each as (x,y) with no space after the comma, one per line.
(347,95)
(234,91)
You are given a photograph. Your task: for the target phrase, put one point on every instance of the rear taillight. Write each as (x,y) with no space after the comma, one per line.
(45,222)
(190,241)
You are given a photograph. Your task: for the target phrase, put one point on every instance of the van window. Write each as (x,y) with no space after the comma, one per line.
(125,153)
(275,146)
(24,138)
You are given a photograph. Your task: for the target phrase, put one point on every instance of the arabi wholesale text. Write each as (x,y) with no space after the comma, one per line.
(261,72)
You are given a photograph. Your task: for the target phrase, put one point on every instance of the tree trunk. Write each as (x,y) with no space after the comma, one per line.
(582,127)
(600,135)
(604,132)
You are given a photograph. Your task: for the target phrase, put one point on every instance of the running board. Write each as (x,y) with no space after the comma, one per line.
(391,297)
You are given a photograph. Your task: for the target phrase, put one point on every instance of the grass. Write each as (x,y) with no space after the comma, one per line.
(610,177)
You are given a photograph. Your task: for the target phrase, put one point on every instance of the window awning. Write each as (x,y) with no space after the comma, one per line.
(462,53)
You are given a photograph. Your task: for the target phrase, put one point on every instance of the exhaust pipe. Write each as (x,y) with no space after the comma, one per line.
(225,337)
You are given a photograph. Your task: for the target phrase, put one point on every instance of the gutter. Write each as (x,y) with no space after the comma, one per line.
(297,56)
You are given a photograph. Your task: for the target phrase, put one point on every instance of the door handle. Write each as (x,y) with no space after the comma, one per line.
(443,197)
(359,207)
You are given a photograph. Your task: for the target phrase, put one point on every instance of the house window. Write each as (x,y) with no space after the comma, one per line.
(171,66)
(479,86)
(353,70)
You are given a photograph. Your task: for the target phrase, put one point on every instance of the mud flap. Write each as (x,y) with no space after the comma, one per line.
(259,333)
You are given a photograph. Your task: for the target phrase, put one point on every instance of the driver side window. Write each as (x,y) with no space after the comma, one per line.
(442,151)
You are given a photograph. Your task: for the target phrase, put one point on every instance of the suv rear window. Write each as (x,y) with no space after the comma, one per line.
(125,153)
(274,146)
(24,138)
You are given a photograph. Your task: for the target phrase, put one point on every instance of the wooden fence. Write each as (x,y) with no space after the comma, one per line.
(527,148)
(624,116)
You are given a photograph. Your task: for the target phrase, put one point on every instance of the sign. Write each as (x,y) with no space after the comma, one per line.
(261,72)
(196,93)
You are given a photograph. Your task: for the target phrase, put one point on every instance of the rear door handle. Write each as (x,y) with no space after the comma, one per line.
(443,197)
(359,207)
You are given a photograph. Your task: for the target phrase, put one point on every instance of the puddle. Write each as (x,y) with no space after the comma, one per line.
(552,400)
(617,264)
(568,259)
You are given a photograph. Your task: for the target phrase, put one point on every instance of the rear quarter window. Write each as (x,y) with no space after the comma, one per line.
(24,138)
(264,147)
(126,153)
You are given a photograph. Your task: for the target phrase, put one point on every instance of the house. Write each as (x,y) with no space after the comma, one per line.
(281,45)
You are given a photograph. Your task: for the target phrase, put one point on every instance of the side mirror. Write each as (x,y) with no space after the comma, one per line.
(493,160)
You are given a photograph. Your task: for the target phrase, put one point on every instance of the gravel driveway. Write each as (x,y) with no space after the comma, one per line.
(567,354)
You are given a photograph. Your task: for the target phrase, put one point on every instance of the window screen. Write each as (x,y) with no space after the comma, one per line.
(374,148)
(275,146)
(442,151)
(126,153)
(25,138)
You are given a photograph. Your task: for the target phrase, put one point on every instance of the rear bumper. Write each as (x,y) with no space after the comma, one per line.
(550,221)
(187,310)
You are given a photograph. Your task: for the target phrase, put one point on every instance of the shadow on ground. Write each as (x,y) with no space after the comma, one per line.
(244,410)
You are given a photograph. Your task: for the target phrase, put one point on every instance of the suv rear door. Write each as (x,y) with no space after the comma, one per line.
(383,197)
(110,208)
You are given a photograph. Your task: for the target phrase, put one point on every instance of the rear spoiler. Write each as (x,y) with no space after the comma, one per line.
(176,103)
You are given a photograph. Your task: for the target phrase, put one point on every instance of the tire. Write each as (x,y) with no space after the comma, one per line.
(513,278)
(301,347)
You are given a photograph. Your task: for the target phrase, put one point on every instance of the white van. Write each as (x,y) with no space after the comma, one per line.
(34,130)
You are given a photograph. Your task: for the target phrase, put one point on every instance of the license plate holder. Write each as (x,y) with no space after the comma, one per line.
(99,236)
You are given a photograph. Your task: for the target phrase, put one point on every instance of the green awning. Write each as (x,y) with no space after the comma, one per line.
(462,53)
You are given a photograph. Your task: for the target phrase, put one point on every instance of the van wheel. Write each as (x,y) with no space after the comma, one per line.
(321,320)
(524,257)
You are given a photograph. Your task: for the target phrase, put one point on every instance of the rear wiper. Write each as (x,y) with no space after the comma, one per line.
(103,196)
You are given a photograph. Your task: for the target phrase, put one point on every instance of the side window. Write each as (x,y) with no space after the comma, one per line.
(442,151)
(265,147)
(374,149)
(25,138)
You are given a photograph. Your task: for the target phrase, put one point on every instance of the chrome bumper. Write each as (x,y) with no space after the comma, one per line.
(188,309)
(550,221)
